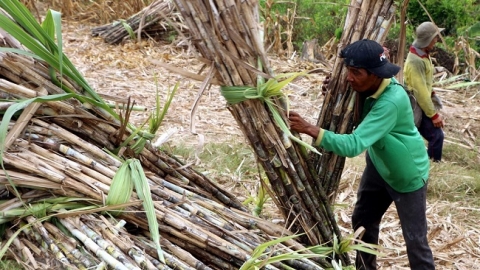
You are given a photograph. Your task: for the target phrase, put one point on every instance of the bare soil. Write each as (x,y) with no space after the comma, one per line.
(125,70)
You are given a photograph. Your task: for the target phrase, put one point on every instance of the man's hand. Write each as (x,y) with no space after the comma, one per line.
(298,124)
(438,122)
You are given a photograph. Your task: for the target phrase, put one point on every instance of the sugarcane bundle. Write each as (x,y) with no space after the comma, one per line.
(365,19)
(158,17)
(228,36)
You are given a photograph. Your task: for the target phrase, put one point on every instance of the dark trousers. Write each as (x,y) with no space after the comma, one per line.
(434,136)
(373,199)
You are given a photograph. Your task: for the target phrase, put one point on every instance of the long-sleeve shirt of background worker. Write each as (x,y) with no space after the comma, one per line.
(418,74)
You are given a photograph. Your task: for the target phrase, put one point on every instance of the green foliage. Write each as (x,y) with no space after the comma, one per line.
(320,20)
(129,29)
(10,265)
(265,91)
(458,17)
(449,14)
(324,20)
(266,253)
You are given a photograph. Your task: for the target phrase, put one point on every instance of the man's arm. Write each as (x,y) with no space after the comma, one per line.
(415,76)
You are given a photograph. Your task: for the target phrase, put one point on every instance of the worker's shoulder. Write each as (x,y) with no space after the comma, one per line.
(414,58)
(394,93)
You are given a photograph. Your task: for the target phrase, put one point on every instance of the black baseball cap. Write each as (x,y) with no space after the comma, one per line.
(368,54)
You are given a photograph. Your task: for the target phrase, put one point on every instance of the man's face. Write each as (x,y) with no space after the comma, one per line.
(361,80)
(432,44)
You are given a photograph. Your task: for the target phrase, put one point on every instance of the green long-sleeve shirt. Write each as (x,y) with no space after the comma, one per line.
(418,77)
(389,135)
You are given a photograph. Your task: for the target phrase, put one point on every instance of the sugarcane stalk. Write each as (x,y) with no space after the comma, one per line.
(181,171)
(46,237)
(40,167)
(35,236)
(100,172)
(125,245)
(24,251)
(184,256)
(22,164)
(4,105)
(179,201)
(171,261)
(142,21)
(31,246)
(365,19)
(102,177)
(168,230)
(80,126)
(156,263)
(29,75)
(71,138)
(205,254)
(68,244)
(261,154)
(111,249)
(91,245)
(60,169)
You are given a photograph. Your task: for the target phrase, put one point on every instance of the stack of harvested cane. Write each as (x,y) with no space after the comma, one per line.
(61,151)
(158,17)
(228,36)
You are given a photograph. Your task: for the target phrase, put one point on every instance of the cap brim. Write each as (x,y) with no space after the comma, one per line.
(386,71)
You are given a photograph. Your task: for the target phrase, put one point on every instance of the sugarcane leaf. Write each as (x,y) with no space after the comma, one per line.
(48,25)
(278,86)
(121,188)
(22,16)
(129,29)
(159,114)
(320,249)
(53,27)
(32,44)
(258,251)
(30,33)
(20,106)
(256,262)
(462,85)
(283,126)
(143,192)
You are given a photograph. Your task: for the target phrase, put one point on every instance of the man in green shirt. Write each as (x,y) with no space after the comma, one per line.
(418,74)
(397,164)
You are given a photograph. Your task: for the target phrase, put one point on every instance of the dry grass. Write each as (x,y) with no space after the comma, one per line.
(98,11)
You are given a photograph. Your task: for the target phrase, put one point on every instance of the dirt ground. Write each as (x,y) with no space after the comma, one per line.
(126,70)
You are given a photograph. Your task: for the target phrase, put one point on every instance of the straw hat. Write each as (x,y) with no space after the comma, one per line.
(425,33)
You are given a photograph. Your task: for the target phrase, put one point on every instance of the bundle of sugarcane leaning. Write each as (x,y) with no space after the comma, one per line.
(369,19)
(73,169)
(229,37)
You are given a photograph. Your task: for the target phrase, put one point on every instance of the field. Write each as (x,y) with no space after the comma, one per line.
(208,138)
